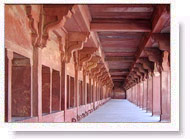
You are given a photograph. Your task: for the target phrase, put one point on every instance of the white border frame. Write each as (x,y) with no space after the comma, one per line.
(173,126)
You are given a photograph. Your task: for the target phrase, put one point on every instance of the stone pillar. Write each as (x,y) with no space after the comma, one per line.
(149,106)
(94,93)
(91,89)
(51,90)
(132,91)
(138,94)
(9,96)
(165,89)
(60,97)
(31,96)
(145,94)
(68,92)
(130,94)
(135,94)
(156,94)
(141,94)
(63,86)
(76,87)
(36,82)
(126,94)
(84,87)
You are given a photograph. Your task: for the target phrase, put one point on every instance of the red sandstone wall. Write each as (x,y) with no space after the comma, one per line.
(54,117)
(51,55)
(18,35)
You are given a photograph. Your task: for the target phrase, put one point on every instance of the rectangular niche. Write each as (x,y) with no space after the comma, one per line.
(80,93)
(68,91)
(21,87)
(72,96)
(46,90)
(88,93)
(56,101)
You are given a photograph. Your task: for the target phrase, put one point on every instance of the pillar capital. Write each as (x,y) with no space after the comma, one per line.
(157,70)
(165,61)
(9,54)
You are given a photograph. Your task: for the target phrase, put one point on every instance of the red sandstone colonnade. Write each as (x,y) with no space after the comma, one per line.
(62,62)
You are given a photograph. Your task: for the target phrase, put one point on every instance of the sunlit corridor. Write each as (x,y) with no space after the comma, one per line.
(120,110)
(87,63)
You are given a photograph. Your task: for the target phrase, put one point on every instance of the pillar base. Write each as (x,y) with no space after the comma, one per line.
(156,113)
(148,110)
(165,118)
(144,109)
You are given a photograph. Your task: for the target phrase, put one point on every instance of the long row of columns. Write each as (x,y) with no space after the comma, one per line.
(95,91)
(71,50)
(152,93)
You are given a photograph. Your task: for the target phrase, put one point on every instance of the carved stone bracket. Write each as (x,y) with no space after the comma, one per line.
(142,70)
(101,76)
(85,55)
(153,55)
(92,63)
(97,74)
(50,18)
(105,76)
(163,41)
(147,64)
(96,70)
(74,42)
(141,75)
(34,33)
(138,75)
(135,76)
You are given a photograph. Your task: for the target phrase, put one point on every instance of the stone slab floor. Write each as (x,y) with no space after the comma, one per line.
(118,110)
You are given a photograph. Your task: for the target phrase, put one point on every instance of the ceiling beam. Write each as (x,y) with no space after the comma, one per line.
(119,54)
(157,24)
(119,70)
(119,73)
(119,78)
(129,26)
(120,58)
(160,18)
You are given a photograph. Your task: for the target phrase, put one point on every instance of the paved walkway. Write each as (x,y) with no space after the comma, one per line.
(118,110)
